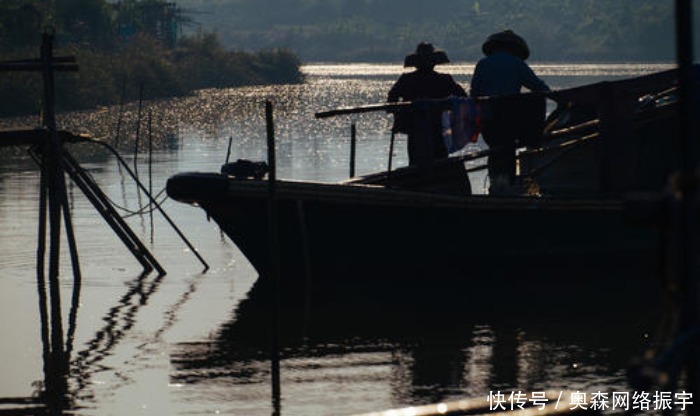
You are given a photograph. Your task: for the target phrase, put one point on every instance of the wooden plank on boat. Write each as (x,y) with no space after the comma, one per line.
(594,93)
(362,109)
(203,187)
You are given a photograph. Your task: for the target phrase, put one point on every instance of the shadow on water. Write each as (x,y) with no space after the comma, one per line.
(70,379)
(437,349)
(118,322)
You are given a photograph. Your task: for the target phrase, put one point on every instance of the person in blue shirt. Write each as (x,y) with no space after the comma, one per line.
(422,123)
(503,72)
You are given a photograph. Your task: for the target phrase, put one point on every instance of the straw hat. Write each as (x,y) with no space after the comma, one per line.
(506,40)
(426,55)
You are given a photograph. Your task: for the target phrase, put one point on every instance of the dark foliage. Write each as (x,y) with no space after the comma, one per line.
(93,32)
(385,30)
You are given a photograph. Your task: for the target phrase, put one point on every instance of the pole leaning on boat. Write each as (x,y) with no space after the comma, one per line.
(362,109)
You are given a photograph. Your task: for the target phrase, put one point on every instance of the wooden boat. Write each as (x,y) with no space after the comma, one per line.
(577,232)
(357,237)
(609,138)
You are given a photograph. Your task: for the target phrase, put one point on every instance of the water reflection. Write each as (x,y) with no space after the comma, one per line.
(118,322)
(425,356)
(68,380)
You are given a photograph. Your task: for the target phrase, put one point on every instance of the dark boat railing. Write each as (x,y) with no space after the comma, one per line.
(607,109)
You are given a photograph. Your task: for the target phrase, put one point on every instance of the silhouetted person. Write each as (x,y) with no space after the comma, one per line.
(422,122)
(505,122)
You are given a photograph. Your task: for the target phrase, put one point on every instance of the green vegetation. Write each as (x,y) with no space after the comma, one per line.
(385,30)
(132,43)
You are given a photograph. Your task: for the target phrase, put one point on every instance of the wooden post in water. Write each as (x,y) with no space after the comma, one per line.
(353,148)
(228,150)
(138,134)
(53,203)
(137,141)
(391,150)
(52,157)
(150,172)
(57,200)
(273,271)
(41,277)
(121,113)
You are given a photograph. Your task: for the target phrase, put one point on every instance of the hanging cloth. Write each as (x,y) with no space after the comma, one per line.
(461,123)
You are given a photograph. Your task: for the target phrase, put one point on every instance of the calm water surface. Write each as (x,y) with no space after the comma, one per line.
(193,343)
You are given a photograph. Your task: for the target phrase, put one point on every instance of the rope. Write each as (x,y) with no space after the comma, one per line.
(150,197)
(142,209)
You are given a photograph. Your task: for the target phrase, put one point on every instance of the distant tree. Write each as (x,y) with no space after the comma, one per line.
(86,22)
(162,20)
(558,29)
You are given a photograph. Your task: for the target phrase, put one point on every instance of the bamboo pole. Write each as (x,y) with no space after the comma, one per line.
(137,139)
(273,257)
(121,113)
(56,196)
(150,171)
(41,274)
(353,148)
(228,150)
(391,150)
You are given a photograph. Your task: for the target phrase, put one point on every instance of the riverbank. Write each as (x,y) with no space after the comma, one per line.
(144,69)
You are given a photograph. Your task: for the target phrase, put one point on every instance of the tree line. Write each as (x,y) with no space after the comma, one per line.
(385,30)
(131,42)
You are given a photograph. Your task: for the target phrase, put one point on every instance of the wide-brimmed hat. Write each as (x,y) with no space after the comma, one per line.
(506,40)
(426,54)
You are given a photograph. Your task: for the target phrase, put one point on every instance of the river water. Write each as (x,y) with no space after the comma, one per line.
(181,344)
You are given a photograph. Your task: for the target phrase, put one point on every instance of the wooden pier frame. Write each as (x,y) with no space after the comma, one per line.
(46,147)
(52,205)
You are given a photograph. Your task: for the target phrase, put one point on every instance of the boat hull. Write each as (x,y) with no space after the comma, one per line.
(369,240)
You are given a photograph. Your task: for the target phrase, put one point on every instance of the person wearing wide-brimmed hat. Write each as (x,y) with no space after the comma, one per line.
(423,83)
(504,72)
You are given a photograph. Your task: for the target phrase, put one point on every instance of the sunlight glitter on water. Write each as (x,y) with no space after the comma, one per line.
(185,344)
(543,69)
